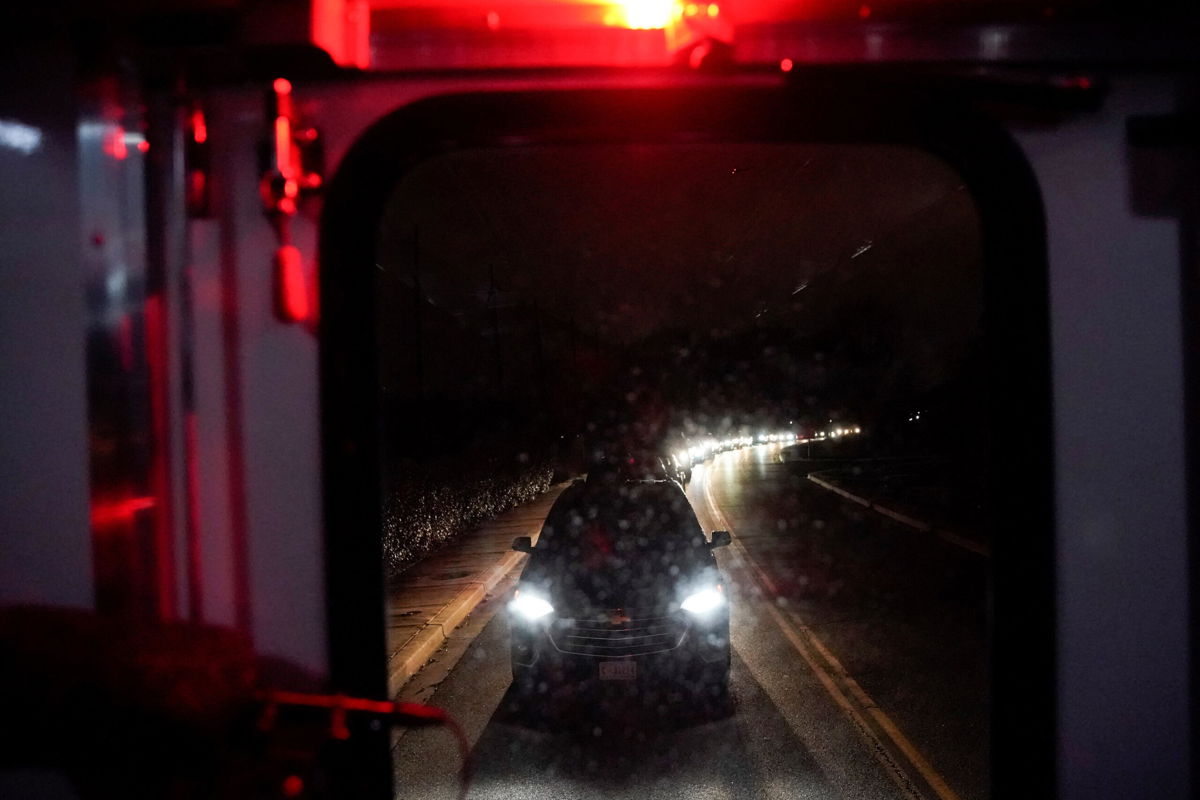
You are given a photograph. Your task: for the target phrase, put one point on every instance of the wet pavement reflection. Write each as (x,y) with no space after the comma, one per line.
(626,744)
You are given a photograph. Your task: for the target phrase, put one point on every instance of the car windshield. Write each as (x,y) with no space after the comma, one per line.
(624,522)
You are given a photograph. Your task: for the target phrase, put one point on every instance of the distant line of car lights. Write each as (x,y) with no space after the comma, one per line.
(835,433)
(704,450)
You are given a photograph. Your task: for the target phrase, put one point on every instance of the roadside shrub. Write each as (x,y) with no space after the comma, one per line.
(428,503)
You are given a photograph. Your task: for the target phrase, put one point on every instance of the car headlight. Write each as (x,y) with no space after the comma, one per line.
(529,606)
(704,601)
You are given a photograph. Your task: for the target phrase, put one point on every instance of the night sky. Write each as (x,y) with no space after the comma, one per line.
(629,247)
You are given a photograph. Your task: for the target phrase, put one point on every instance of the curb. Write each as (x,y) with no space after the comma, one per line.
(953,538)
(415,653)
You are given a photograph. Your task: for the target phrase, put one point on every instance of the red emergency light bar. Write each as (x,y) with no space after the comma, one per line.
(446,33)
(487,34)
(559,14)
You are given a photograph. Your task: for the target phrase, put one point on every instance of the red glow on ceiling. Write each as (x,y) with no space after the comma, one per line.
(105,515)
(864,12)
(290,285)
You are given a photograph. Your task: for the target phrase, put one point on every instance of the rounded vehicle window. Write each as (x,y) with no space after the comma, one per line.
(735,393)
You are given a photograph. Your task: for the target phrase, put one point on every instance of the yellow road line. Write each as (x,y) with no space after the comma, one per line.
(931,776)
(804,641)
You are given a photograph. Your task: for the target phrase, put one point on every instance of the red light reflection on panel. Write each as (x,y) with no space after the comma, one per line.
(287,158)
(119,512)
(199,127)
(283,145)
(114,143)
(290,285)
(285,163)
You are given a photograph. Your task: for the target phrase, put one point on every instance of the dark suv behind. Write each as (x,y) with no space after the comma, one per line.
(622,589)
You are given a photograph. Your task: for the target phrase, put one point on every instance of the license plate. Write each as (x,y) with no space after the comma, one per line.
(618,670)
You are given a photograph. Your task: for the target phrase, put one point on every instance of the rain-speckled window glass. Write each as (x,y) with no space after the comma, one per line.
(732,396)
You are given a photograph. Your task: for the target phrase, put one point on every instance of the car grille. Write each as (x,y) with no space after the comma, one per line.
(631,637)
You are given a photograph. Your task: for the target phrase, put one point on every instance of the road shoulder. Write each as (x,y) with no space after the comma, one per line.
(429,600)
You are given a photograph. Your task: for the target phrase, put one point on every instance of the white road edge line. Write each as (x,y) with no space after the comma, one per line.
(953,538)
(797,640)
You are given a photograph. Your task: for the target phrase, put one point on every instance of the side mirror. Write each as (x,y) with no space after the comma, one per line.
(720,539)
(523,544)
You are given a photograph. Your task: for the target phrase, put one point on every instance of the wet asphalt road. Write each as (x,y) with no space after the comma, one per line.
(858,671)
